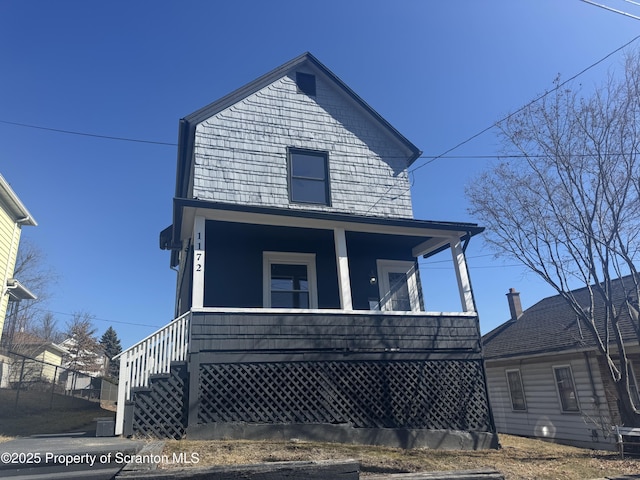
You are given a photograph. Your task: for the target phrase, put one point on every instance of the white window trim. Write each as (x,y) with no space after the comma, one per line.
(575,388)
(634,378)
(524,396)
(289,258)
(397,266)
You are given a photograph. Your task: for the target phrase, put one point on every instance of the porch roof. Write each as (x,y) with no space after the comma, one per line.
(185,209)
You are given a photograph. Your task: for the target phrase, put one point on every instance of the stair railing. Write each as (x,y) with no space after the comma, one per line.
(150,356)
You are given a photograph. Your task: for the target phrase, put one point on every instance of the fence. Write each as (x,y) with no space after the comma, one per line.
(22,374)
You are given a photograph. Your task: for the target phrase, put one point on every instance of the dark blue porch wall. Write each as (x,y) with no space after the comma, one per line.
(233,261)
(363,249)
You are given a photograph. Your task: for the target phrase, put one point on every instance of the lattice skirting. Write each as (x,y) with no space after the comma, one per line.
(384,394)
(161,410)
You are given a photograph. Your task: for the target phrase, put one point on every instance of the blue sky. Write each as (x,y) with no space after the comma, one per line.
(440,72)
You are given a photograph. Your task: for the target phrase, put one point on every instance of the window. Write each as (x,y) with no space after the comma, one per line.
(306,83)
(289,280)
(566,389)
(398,286)
(308,177)
(516,390)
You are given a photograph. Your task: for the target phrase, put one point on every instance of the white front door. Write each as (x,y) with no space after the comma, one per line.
(398,286)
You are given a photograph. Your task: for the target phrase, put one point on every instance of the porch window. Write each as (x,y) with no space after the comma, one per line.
(398,286)
(308,177)
(566,389)
(289,280)
(516,390)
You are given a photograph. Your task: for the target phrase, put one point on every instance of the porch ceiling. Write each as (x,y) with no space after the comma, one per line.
(433,235)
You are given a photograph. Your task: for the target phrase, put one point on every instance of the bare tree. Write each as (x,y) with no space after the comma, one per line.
(32,271)
(569,207)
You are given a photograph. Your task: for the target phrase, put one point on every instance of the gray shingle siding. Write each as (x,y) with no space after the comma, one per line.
(241,152)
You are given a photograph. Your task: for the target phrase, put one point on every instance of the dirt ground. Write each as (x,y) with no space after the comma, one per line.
(518,458)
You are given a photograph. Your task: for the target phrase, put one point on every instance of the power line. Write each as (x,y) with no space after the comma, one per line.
(101,319)
(84,134)
(615,10)
(507,117)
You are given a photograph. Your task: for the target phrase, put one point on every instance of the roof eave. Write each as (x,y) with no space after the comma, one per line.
(16,208)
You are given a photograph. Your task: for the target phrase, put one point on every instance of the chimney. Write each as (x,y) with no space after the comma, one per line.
(515,307)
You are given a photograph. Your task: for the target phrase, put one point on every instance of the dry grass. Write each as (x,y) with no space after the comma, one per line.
(519,458)
(38,412)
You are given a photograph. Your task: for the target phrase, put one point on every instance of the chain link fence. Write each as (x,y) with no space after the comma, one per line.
(20,373)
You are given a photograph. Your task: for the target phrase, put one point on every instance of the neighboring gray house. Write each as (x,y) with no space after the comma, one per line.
(299,305)
(546,378)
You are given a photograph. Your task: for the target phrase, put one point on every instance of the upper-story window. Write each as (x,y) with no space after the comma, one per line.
(308,177)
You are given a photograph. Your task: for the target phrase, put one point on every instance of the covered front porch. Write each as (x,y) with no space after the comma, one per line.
(313,323)
(256,257)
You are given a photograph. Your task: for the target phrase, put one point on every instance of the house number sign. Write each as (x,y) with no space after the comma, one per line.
(198,262)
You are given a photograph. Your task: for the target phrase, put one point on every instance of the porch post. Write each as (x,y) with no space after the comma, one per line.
(342,261)
(123,389)
(197,293)
(464,285)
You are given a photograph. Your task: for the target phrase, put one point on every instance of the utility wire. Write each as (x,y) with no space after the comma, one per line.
(507,117)
(611,9)
(84,134)
(430,160)
(101,319)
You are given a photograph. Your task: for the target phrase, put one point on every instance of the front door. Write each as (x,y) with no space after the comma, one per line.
(398,286)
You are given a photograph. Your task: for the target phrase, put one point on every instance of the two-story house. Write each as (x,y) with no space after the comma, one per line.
(298,300)
(13,216)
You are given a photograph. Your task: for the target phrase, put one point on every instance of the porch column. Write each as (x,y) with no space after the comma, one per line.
(342,261)
(197,291)
(464,285)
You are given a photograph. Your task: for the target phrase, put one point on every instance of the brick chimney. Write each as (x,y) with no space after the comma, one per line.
(515,307)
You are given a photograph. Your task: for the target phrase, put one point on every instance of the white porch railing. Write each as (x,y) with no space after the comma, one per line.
(151,356)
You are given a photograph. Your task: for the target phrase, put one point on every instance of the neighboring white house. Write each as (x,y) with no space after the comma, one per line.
(546,378)
(93,363)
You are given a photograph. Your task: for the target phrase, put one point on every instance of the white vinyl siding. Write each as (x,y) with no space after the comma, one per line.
(544,417)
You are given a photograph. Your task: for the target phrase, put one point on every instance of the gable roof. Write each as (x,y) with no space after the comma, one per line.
(551,326)
(186,134)
(29,340)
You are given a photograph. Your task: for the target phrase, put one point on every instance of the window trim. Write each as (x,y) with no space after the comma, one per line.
(289,258)
(290,177)
(573,383)
(524,396)
(385,267)
(633,383)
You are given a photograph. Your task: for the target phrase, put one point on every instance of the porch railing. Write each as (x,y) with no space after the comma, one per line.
(153,355)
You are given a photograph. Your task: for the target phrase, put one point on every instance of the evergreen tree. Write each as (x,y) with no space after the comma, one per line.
(111,345)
